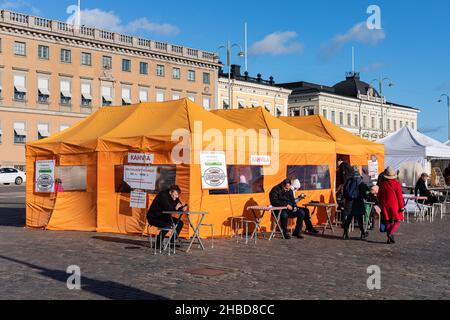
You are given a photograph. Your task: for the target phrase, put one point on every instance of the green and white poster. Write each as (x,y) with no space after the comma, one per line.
(45,176)
(214,170)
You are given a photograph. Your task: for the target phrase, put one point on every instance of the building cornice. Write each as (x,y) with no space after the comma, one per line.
(59,32)
(251,85)
(44,112)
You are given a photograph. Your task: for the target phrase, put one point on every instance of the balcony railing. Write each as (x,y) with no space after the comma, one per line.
(38,23)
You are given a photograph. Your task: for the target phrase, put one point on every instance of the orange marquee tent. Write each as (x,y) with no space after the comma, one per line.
(90,157)
(358,150)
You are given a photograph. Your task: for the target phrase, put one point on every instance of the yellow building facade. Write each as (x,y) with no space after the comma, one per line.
(53,75)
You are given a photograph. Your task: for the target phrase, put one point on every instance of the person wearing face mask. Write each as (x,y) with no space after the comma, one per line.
(296,186)
(168,200)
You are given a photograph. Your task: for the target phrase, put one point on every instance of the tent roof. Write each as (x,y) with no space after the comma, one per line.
(346,142)
(410,142)
(298,140)
(141,126)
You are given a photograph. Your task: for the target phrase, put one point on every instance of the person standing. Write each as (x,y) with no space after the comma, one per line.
(392,203)
(343,173)
(280,196)
(355,191)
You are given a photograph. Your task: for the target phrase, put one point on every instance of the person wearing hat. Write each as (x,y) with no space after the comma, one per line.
(355,191)
(296,186)
(422,190)
(392,204)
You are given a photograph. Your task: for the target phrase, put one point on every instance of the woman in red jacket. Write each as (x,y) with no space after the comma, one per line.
(391,203)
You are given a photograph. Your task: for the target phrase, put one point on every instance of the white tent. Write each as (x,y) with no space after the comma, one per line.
(410,152)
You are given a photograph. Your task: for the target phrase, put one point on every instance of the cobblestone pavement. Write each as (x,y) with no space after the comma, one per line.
(33,266)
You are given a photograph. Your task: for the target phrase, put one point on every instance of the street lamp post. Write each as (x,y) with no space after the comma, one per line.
(241,54)
(381,81)
(448,105)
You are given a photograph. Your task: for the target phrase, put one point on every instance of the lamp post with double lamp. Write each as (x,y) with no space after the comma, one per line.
(441,99)
(381,81)
(241,54)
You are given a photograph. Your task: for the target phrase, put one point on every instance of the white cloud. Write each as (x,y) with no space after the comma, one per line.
(359,33)
(19,4)
(108,20)
(277,43)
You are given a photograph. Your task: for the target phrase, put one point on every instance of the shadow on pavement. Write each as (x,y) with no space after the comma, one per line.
(108,289)
(12,217)
(123,241)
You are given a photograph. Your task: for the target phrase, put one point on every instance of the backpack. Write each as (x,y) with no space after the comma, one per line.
(351,189)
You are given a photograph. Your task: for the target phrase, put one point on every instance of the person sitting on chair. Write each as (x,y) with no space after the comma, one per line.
(422,190)
(280,196)
(168,200)
(296,185)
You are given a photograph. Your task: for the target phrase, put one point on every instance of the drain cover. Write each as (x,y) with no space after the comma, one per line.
(208,272)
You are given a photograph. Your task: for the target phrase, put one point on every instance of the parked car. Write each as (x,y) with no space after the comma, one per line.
(11,175)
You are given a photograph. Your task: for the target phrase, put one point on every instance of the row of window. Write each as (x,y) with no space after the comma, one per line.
(20,49)
(242,105)
(65,93)
(20,133)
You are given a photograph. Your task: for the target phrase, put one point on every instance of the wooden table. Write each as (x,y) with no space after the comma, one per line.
(329,210)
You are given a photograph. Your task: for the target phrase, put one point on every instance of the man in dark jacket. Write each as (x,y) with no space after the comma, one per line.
(345,172)
(168,200)
(281,196)
(422,190)
(355,192)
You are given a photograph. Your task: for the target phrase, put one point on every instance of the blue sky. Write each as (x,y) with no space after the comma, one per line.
(299,40)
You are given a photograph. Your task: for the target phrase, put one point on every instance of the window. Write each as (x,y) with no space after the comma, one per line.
(20,48)
(407,123)
(401,124)
(349,119)
(279,112)
(176,73)
(412,125)
(86,95)
(395,125)
(341,118)
(20,135)
(243,180)
(324,113)
(66,56)
(176,96)
(295,112)
(43,131)
(160,70)
(63,127)
(107,62)
(356,121)
(43,90)
(20,91)
(86,59)
(206,103)
(160,96)
(268,107)
(333,116)
(241,104)
(126,96)
(226,104)
(143,68)
(126,65)
(66,95)
(166,176)
(372,123)
(191,75)
(381,123)
(143,94)
(311,177)
(365,122)
(309,111)
(107,96)
(388,124)
(43,52)
(206,78)
(191,96)
(71,178)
